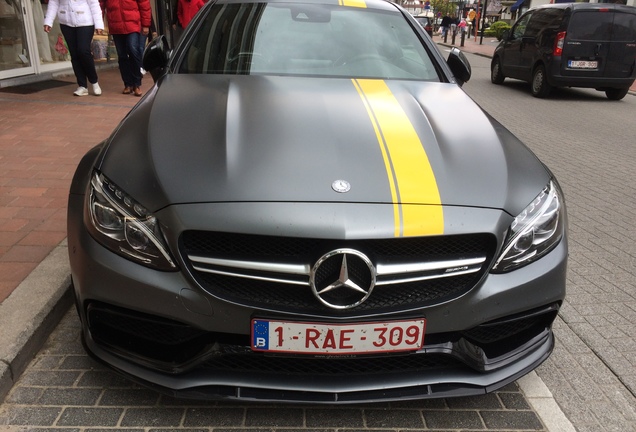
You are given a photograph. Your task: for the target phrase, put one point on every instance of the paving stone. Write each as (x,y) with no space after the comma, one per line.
(514,401)
(119,429)
(172,430)
(453,420)
(512,420)
(69,396)
(280,417)
(393,419)
(129,397)
(24,395)
(29,415)
(57,430)
(152,417)
(488,401)
(434,404)
(47,362)
(214,417)
(90,417)
(80,362)
(340,418)
(103,379)
(47,378)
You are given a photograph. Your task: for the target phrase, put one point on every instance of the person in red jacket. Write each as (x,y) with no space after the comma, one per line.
(187,9)
(129,24)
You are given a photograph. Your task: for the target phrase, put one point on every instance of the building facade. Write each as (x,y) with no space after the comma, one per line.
(29,54)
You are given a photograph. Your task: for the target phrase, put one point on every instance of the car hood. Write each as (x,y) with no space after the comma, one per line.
(215,138)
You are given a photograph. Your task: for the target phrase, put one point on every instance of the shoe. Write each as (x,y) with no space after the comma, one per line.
(127,90)
(97,90)
(81,91)
(137,91)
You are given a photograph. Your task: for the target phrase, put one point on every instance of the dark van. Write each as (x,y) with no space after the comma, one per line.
(589,45)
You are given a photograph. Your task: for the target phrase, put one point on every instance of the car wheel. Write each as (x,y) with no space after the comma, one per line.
(616,93)
(540,86)
(496,74)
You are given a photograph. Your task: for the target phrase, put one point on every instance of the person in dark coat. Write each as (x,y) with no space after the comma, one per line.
(445,25)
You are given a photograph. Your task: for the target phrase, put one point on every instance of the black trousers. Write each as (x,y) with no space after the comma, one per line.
(79,41)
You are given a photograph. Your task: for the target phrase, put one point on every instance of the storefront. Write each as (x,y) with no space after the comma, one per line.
(28,54)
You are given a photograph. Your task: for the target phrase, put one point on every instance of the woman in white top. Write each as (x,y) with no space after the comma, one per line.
(78,21)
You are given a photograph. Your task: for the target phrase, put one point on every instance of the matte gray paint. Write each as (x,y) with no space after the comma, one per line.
(215,138)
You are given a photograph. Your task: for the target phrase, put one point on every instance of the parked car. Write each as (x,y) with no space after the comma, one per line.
(589,45)
(293,213)
(426,23)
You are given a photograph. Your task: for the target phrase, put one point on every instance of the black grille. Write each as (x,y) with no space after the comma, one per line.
(296,298)
(159,340)
(300,250)
(495,331)
(293,298)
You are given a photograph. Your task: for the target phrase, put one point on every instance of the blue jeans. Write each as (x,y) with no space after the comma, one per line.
(130,52)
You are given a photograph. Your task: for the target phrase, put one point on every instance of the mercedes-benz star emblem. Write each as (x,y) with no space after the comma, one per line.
(341,186)
(342,278)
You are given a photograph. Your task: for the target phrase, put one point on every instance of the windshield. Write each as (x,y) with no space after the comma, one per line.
(307,39)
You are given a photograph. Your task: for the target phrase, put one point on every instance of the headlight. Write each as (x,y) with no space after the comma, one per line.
(124,226)
(534,232)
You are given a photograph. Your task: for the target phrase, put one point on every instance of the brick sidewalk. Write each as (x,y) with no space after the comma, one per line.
(43,135)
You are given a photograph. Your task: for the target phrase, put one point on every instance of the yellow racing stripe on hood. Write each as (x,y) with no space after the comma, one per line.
(353,3)
(411,177)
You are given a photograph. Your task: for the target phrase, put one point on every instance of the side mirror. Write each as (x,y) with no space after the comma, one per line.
(459,65)
(156,56)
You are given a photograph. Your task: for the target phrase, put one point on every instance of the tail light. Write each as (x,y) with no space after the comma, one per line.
(558,44)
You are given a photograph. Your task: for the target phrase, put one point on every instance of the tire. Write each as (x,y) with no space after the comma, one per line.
(496,74)
(539,84)
(616,93)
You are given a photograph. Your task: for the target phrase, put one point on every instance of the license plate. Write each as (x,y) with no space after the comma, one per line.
(582,64)
(337,339)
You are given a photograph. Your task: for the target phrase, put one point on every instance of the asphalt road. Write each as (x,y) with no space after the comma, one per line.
(589,143)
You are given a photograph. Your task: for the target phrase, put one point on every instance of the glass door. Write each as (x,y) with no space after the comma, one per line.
(15,56)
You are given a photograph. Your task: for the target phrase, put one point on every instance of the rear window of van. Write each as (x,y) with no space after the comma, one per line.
(602,26)
(624,27)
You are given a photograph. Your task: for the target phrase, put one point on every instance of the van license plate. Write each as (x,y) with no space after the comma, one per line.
(337,339)
(582,64)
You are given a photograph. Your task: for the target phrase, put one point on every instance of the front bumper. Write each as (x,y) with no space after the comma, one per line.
(476,343)
(311,380)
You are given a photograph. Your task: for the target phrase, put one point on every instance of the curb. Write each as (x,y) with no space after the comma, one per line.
(29,314)
(542,401)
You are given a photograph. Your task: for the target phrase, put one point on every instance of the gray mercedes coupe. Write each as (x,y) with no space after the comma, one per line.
(294,212)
